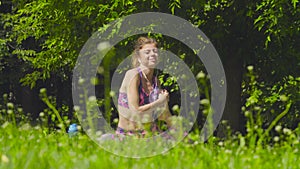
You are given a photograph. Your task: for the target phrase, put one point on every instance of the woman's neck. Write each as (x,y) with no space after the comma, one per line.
(148,72)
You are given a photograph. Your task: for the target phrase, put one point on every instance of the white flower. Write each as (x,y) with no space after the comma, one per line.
(278,128)
(103,45)
(92,98)
(81,81)
(42,114)
(287,131)
(221,143)
(10,111)
(250,68)
(10,105)
(76,108)
(200,75)
(276,138)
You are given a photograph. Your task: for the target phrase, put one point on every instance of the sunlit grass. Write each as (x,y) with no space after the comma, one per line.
(28,147)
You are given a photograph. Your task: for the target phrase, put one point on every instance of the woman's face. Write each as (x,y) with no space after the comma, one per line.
(148,55)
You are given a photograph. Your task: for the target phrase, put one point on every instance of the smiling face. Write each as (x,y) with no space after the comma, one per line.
(148,55)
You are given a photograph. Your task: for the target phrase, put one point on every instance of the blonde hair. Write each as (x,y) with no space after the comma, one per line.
(141,41)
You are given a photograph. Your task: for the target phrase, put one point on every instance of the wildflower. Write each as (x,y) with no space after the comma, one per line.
(76,108)
(200,75)
(221,143)
(175,107)
(10,111)
(92,98)
(20,110)
(278,128)
(94,81)
(250,67)
(42,114)
(283,98)
(287,131)
(247,113)
(81,81)
(43,90)
(276,138)
(4,158)
(112,93)
(68,121)
(10,105)
(224,122)
(205,112)
(116,120)
(204,101)
(103,45)
(5,95)
(60,125)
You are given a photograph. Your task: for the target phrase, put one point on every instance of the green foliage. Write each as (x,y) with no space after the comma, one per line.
(173,4)
(45,37)
(59,29)
(274,18)
(268,106)
(12,113)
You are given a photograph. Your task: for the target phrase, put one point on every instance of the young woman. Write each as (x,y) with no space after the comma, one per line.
(141,101)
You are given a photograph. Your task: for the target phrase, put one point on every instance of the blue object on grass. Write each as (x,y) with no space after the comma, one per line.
(72,131)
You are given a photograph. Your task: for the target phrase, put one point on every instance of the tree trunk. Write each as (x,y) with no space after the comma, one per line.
(233,65)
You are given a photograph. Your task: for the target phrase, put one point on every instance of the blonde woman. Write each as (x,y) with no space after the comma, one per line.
(141,101)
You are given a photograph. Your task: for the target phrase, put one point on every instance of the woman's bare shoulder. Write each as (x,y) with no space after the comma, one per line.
(131,73)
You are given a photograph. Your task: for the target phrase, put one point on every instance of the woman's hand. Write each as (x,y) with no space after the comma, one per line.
(163,96)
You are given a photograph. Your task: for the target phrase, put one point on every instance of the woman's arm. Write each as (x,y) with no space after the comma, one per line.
(133,97)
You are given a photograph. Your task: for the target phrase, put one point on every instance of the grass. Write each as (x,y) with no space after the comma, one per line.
(29,147)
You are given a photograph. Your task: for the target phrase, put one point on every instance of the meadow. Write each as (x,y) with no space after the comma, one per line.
(30,147)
